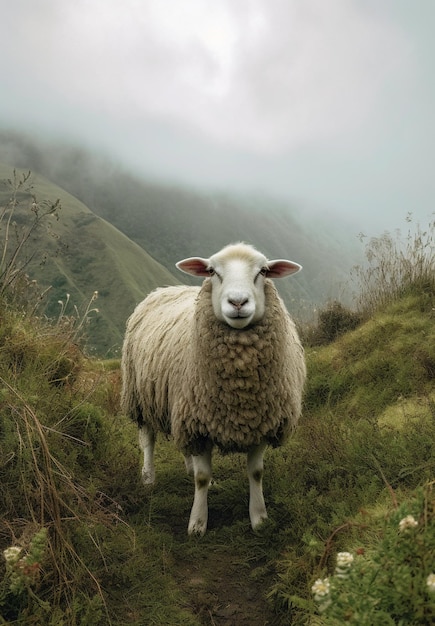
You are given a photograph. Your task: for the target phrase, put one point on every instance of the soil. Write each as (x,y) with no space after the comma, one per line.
(221,592)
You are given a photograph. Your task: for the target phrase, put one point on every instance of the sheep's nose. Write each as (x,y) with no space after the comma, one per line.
(237,303)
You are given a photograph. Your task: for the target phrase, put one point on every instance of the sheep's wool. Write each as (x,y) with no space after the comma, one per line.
(188,374)
(247,382)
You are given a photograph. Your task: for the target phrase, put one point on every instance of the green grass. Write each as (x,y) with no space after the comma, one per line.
(70,466)
(119,553)
(366,443)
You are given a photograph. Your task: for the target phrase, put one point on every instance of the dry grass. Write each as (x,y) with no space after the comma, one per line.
(396,265)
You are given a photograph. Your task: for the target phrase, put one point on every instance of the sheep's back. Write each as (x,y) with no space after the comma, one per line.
(155,344)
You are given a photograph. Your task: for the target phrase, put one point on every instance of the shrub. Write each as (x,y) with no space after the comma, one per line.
(332,322)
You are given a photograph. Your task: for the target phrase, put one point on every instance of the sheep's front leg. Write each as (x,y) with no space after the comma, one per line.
(257,508)
(147,440)
(202,474)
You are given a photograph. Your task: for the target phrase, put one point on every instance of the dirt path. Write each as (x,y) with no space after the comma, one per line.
(222,598)
(225,575)
(221,591)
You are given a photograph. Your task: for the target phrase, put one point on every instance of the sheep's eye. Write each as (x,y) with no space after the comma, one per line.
(212,272)
(262,272)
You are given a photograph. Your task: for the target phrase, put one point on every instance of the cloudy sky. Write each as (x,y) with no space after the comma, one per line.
(329,103)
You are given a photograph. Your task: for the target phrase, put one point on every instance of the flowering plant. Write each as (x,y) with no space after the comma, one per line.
(23,571)
(407,523)
(394,583)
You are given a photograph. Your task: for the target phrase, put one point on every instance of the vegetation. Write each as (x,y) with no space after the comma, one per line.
(351,531)
(73,257)
(389,583)
(333,320)
(397,265)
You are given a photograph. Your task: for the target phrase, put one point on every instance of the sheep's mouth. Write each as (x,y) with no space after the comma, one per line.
(239,321)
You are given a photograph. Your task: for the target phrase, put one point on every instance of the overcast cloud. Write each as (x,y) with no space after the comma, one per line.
(326,102)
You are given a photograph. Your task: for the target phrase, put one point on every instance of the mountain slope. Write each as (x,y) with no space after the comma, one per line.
(82,253)
(171,222)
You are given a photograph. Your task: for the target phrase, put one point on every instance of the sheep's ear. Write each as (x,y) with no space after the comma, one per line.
(194,265)
(281,267)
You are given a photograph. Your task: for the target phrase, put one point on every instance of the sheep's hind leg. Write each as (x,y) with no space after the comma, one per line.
(188,462)
(147,440)
(202,474)
(257,508)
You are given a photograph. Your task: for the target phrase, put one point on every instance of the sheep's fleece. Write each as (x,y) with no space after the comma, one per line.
(187,374)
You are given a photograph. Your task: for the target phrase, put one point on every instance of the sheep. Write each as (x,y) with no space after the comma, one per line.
(219,365)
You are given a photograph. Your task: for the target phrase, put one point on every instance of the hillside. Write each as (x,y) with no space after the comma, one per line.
(359,467)
(81,253)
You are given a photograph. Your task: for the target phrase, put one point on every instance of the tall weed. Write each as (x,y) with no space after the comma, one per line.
(16,229)
(397,265)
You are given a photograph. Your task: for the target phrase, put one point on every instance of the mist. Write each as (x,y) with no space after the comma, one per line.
(324,105)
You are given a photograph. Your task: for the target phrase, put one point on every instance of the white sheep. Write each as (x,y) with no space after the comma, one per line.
(217,365)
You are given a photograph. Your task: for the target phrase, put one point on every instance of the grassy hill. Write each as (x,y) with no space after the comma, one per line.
(356,479)
(78,254)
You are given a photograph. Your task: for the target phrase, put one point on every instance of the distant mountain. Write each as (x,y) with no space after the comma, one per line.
(82,253)
(171,222)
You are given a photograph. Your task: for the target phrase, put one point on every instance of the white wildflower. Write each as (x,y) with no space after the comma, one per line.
(12,554)
(344,562)
(430,582)
(344,559)
(407,522)
(321,588)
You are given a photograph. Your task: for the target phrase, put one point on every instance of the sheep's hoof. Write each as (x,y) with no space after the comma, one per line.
(148,478)
(197,528)
(258,522)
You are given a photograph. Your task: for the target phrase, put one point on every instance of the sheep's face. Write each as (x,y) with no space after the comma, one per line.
(237,273)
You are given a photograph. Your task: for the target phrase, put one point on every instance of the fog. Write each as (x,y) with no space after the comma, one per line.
(327,104)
